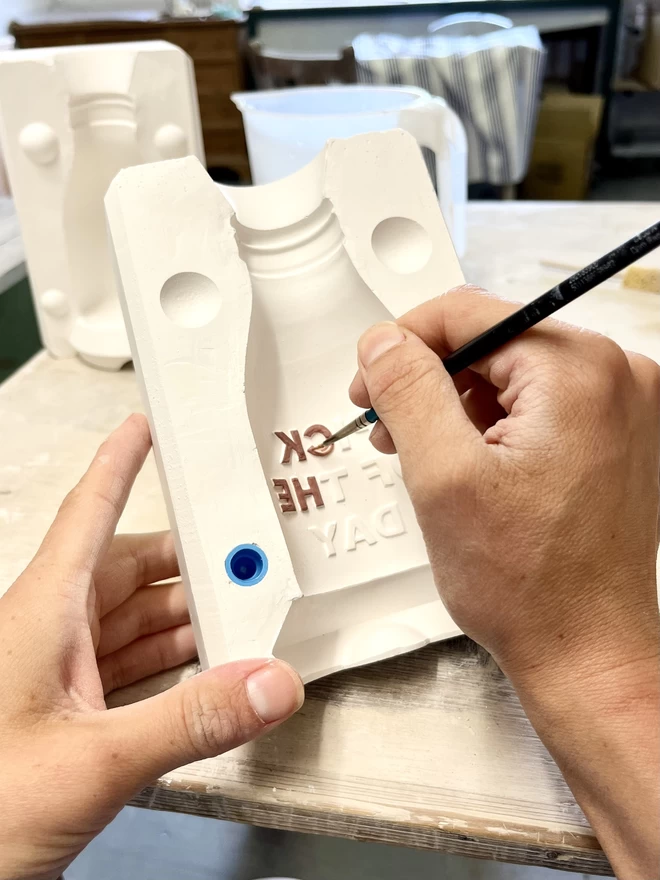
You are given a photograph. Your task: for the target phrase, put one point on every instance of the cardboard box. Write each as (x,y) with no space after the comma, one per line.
(649,65)
(562,153)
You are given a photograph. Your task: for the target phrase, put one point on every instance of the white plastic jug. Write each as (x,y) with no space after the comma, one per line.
(286,128)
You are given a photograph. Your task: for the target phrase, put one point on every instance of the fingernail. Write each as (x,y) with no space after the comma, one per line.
(275,691)
(377,340)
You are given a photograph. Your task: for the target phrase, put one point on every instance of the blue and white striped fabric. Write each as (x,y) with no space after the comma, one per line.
(492,82)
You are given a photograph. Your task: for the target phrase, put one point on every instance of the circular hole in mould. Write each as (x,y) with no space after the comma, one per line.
(402,245)
(190,299)
(246,565)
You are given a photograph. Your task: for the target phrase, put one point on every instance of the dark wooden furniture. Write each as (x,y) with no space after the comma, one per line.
(215,47)
(276,70)
(323,12)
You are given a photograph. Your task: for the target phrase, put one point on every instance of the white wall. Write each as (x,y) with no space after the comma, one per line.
(13,8)
(16,8)
(329,33)
(105,5)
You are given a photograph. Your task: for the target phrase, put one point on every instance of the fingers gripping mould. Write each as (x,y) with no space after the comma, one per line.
(236,300)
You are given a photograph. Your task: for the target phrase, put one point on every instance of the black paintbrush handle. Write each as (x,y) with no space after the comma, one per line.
(582,282)
(543,306)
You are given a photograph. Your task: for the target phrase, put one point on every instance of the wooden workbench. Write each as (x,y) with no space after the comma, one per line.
(428,750)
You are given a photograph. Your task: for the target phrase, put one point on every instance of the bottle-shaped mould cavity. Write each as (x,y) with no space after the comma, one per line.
(104,130)
(344,510)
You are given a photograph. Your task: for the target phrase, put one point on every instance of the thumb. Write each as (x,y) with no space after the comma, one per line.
(412,393)
(208,714)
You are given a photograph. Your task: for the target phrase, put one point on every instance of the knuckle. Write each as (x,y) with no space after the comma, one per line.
(653,381)
(610,356)
(127,560)
(599,368)
(85,492)
(211,726)
(647,372)
(109,672)
(101,497)
(137,561)
(478,297)
(462,289)
(161,656)
(143,620)
(71,500)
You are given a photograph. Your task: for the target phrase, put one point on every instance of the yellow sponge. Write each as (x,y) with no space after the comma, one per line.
(642,278)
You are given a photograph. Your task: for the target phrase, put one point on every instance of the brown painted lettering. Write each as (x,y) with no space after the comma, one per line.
(303,494)
(285,498)
(324,432)
(291,444)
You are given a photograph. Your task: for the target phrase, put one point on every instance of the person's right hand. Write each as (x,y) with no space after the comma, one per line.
(535,479)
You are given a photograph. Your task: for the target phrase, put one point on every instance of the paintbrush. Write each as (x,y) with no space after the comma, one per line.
(542,307)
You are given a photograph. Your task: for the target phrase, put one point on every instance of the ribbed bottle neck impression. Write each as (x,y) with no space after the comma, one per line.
(102,108)
(295,249)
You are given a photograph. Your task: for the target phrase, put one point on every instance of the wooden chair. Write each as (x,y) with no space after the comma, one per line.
(272,69)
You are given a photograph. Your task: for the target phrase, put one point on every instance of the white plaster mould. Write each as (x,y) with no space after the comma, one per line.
(70,118)
(244,305)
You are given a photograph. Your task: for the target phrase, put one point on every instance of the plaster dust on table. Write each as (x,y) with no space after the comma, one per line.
(238,348)
(34,482)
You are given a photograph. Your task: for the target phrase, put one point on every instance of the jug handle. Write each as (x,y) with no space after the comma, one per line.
(436,126)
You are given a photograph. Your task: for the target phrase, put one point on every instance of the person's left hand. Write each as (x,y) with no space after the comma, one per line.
(84,618)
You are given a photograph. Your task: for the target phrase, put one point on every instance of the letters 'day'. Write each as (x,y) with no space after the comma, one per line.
(244,306)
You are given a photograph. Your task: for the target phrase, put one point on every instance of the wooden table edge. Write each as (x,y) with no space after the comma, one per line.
(582,854)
